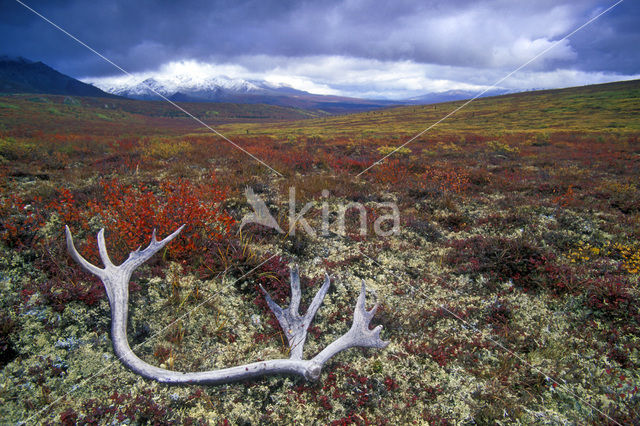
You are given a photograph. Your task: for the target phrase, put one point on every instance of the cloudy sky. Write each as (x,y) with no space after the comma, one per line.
(363,48)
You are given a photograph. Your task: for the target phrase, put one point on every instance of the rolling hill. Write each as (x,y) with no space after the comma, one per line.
(609,107)
(20,75)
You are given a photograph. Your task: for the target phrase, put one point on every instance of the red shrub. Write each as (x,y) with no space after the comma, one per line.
(391,172)
(503,259)
(19,221)
(446,180)
(611,296)
(130,213)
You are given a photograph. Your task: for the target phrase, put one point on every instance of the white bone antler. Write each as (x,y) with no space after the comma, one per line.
(116,282)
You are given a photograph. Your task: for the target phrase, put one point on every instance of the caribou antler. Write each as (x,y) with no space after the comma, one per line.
(116,282)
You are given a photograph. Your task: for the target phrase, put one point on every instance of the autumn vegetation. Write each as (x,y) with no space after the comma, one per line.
(510,293)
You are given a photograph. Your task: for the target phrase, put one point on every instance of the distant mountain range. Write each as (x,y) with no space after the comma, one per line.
(453,95)
(224,89)
(20,75)
(184,88)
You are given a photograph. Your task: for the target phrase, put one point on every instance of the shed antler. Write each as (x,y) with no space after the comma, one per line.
(116,283)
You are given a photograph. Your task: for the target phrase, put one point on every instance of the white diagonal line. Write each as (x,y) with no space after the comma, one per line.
(151,88)
(493,85)
(156,334)
(500,345)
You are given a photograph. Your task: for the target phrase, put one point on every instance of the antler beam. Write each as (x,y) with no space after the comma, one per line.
(295,326)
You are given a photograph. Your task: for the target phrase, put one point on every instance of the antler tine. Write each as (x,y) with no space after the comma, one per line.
(317,301)
(138,257)
(275,308)
(116,280)
(102,249)
(292,323)
(71,248)
(358,335)
(296,295)
(361,319)
(360,314)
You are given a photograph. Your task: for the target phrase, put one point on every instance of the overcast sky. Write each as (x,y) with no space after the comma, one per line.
(364,48)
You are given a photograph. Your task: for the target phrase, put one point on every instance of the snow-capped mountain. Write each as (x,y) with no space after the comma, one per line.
(209,89)
(185,88)
(188,88)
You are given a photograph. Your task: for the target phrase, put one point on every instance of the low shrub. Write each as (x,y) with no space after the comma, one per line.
(502,148)
(129,213)
(501,259)
(611,297)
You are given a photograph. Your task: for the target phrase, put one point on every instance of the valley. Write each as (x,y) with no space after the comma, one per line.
(508,294)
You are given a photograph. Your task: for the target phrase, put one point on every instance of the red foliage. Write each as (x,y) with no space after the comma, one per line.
(447,180)
(518,260)
(611,296)
(59,292)
(348,165)
(390,384)
(443,354)
(391,172)
(19,221)
(142,409)
(130,213)
(69,417)
(273,275)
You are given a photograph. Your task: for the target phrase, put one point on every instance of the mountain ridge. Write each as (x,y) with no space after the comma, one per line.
(221,88)
(21,75)
(217,89)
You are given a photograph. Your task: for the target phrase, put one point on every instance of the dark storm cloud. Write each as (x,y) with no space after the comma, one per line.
(138,35)
(143,35)
(614,45)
